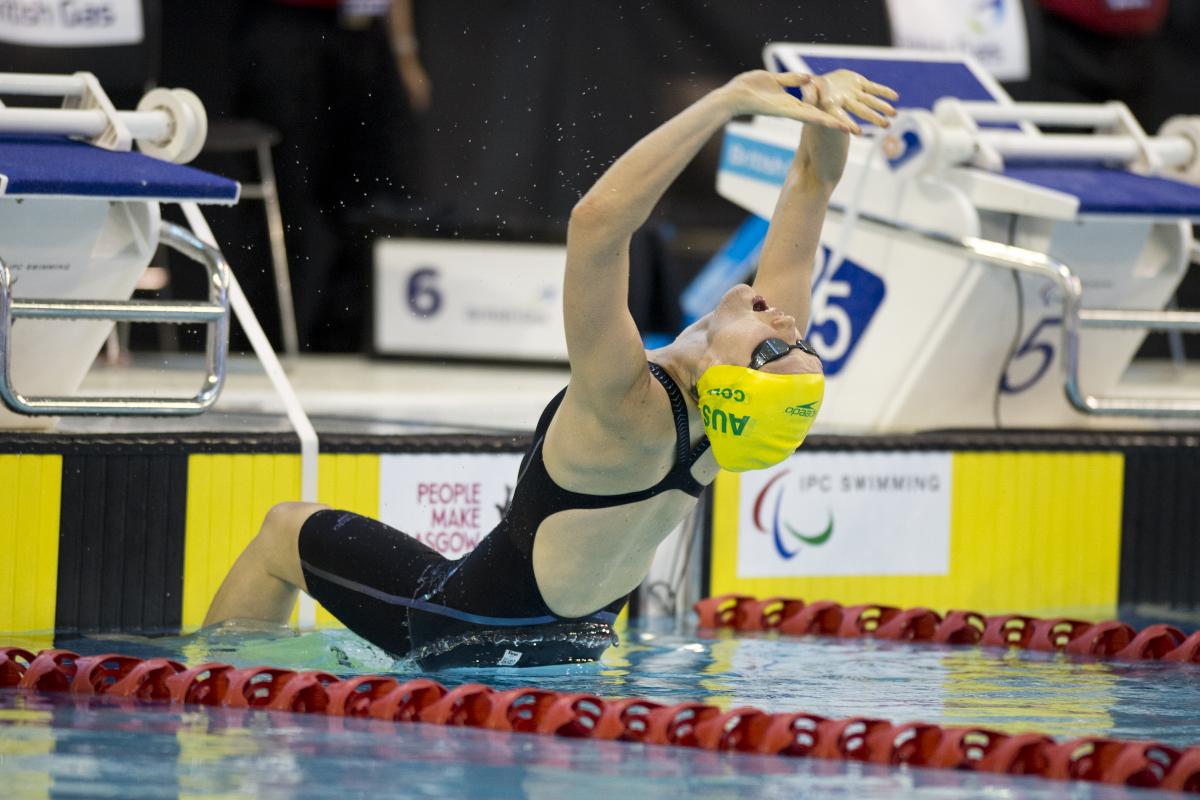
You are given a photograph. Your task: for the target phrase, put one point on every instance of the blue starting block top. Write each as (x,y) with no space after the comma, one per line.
(921,78)
(924,78)
(53,166)
(1112,190)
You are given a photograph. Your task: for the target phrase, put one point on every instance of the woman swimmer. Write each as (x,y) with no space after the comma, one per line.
(579,535)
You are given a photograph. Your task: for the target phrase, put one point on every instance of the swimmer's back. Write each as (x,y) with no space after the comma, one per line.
(583,557)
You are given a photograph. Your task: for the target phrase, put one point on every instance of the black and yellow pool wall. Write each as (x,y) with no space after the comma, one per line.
(134,534)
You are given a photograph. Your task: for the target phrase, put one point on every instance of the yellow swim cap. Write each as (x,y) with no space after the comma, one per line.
(757,419)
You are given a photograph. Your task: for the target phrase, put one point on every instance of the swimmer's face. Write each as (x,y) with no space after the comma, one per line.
(742,320)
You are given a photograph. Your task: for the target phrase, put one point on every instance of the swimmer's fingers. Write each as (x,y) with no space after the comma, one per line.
(864,112)
(880,90)
(793,80)
(882,106)
(762,92)
(836,118)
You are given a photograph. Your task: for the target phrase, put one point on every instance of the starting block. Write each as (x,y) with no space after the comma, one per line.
(915,324)
(79,223)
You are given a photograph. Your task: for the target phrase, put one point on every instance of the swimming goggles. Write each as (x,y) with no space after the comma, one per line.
(770,349)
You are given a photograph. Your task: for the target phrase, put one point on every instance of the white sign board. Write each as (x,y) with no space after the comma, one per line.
(71,23)
(469,299)
(846,514)
(993,31)
(447,501)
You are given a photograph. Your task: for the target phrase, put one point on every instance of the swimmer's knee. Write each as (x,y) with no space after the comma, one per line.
(288,518)
(277,543)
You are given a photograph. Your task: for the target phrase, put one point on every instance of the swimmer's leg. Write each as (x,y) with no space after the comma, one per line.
(266,577)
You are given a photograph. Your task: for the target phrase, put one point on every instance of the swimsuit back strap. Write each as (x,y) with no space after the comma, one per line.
(680,477)
(683,443)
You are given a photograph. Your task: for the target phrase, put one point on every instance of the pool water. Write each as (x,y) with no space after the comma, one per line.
(61,746)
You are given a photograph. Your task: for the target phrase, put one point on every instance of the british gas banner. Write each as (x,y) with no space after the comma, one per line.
(71,23)
(825,513)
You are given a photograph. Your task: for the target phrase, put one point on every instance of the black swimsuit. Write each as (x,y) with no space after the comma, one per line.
(484,609)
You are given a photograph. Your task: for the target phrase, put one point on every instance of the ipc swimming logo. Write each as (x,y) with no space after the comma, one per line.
(787,540)
(843,305)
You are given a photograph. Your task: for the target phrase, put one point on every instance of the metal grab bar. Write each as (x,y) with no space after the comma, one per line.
(1183,321)
(215,314)
(172,311)
(1071,291)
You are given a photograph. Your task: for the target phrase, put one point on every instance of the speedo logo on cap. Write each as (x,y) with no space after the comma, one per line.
(802,410)
(719,421)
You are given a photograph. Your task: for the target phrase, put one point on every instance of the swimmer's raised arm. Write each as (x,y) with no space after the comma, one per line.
(785,266)
(603,343)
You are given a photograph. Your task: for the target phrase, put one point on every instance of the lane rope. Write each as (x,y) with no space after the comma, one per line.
(1142,764)
(1109,640)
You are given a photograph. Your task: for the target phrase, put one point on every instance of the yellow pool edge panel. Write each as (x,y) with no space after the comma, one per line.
(229,494)
(30,496)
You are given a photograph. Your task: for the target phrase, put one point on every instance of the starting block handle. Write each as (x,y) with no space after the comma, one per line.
(1119,137)
(91,123)
(1063,115)
(215,314)
(170,124)
(36,85)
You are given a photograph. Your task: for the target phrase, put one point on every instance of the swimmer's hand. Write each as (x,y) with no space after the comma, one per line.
(842,91)
(827,98)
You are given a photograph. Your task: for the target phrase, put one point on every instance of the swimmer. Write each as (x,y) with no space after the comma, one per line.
(620,456)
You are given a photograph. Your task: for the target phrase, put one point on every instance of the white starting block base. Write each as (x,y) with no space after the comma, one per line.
(915,337)
(69,249)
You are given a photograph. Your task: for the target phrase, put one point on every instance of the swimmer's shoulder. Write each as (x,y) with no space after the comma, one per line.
(634,421)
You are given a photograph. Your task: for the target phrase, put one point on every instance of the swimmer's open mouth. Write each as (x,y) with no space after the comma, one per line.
(759,304)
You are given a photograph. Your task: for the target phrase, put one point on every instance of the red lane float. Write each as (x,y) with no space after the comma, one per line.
(572,715)
(911,625)
(1051,635)
(98,674)
(768,614)
(1185,775)
(148,680)
(14,661)
(355,696)
(738,730)
(467,705)
(1008,630)
(745,729)
(1188,652)
(50,671)
(864,620)
(203,685)
(255,687)
(786,734)
(960,627)
(626,719)
(677,724)
(1152,643)
(1110,639)
(518,710)
(1102,640)
(407,701)
(822,618)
